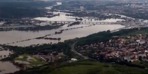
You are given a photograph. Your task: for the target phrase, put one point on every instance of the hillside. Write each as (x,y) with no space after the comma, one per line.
(86,67)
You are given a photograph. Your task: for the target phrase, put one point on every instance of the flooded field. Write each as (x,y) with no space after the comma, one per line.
(27,38)
(13,36)
(7,67)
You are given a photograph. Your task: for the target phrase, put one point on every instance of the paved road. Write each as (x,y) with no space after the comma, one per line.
(74,51)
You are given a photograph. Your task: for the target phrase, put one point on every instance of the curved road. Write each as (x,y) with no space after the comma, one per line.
(74,51)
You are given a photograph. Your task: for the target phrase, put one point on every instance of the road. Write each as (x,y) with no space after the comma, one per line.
(74,51)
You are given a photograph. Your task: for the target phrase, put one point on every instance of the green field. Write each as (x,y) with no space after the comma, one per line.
(87,67)
(32,60)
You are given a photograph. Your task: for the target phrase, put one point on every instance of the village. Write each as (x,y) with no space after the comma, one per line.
(131,48)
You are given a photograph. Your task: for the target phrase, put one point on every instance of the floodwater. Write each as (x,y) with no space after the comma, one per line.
(5,53)
(19,38)
(6,66)
(61,17)
(13,36)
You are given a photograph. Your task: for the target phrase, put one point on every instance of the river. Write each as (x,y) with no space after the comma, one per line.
(19,38)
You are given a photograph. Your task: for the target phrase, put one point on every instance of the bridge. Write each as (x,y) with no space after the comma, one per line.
(86,22)
(64,22)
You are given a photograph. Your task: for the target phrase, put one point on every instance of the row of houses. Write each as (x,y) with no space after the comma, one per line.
(131,48)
